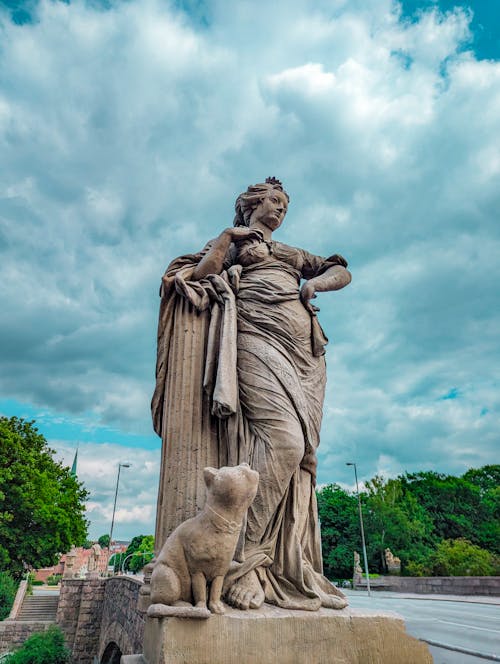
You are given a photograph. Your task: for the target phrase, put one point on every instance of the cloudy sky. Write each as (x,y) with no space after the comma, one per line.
(127,129)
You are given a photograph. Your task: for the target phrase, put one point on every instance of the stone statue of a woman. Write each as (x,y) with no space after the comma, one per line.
(241,378)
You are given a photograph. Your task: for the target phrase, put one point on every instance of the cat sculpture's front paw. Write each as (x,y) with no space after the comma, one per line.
(217,607)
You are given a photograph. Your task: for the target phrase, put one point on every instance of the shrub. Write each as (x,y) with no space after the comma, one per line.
(30,577)
(416,569)
(8,589)
(42,648)
(53,579)
(37,582)
(459,557)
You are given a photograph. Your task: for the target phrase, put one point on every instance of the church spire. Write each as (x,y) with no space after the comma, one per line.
(73,467)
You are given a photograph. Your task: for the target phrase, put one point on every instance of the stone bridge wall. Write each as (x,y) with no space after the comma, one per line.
(93,613)
(121,622)
(13,633)
(441,585)
(79,616)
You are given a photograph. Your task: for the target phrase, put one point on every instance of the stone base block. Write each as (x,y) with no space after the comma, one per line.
(277,636)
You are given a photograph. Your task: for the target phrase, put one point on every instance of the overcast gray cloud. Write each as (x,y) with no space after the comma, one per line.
(125,136)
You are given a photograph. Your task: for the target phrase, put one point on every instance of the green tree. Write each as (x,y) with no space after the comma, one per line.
(8,589)
(41,504)
(135,544)
(340,534)
(395,520)
(485,478)
(42,648)
(141,551)
(459,507)
(460,557)
(487,481)
(103,541)
(412,514)
(116,561)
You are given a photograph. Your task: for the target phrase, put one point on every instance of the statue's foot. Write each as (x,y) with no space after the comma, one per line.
(333,602)
(246,592)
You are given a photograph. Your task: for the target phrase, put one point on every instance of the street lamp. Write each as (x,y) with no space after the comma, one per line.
(135,553)
(120,466)
(350,463)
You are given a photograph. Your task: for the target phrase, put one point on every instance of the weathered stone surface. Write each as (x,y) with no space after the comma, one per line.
(164,611)
(241,378)
(441,585)
(200,550)
(79,615)
(94,612)
(121,622)
(272,635)
(14,634)
(18,600)
(93,562)
(69,563)
(357,572)
(393,563)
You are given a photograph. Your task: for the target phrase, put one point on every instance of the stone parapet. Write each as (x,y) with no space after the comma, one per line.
(79,615)
(277,636)
(121,621)
(441,585)
(14,633)
(18,600)
(95,612)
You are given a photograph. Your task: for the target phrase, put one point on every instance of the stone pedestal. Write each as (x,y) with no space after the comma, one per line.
(277,636)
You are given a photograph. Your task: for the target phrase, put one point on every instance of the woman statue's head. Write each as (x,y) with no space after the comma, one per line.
(256,196)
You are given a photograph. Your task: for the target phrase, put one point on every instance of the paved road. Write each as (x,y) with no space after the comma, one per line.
(471,626)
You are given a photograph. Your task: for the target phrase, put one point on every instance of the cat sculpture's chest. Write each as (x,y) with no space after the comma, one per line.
(211,550)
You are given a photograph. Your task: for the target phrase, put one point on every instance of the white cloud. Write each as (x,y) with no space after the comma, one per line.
(125,136)
(97,468)
(309,79)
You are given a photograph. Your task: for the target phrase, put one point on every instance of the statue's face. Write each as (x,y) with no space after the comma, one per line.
(271,211)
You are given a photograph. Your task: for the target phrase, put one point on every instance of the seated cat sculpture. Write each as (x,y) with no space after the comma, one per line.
(200,550)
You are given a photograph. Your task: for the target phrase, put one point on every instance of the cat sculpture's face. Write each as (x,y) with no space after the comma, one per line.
(231,486)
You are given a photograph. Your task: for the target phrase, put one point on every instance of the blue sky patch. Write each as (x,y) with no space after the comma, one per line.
(454,393)
(485,25)
(82,429)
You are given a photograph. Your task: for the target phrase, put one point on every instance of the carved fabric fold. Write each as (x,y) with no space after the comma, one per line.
(241,377)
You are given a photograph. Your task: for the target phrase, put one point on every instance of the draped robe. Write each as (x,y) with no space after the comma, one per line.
(241,377)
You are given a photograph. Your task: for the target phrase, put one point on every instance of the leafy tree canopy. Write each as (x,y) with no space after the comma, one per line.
(339,530)
(460,507)
(103,541)
(8,589)
(413,515)
(141,551)
(462,558)
(41,503)
(486,478)
(395,520)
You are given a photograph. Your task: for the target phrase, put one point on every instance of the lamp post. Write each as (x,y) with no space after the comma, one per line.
(120,466)
(135,553)
(350,463)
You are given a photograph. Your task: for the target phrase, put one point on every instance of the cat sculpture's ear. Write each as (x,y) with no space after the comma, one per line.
(209,474)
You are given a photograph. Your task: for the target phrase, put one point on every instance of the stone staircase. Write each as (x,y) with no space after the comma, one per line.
(38,608)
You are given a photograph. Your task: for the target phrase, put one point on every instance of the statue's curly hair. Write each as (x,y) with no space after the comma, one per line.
(253,196)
